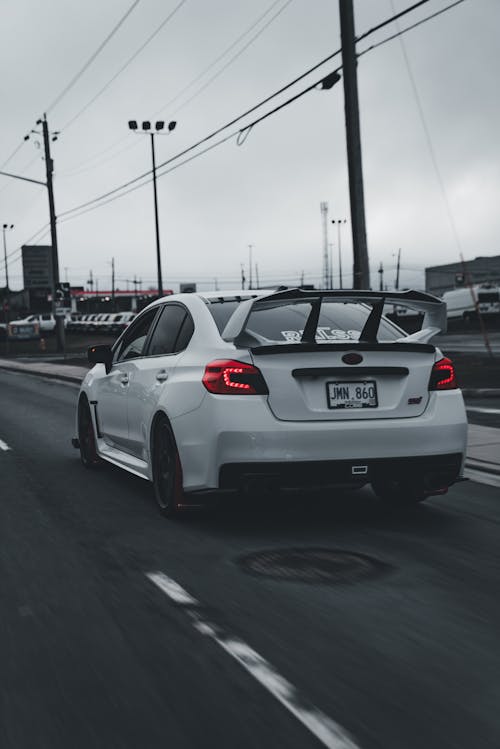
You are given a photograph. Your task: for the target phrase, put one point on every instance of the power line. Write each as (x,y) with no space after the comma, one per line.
(279,91)
(101,200)
(125,65)
(409,28)
(430,144)
(220,56)
(252,109)
(232,59)
(92,57)
(9,158)
(188,86)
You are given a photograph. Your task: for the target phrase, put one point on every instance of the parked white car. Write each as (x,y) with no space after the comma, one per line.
(46,321)
(226,390)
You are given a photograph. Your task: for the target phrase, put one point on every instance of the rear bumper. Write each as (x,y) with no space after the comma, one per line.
(435,471)
(226,432)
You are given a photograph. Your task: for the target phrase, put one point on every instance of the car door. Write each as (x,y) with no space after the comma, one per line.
(113,388)
(150,376)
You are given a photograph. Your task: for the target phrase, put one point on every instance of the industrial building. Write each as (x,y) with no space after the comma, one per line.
(441,278)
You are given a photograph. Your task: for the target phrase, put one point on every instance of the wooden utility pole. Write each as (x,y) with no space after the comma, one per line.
(361,269)
(381,277)
(113,284)
(397,269)
(49,170)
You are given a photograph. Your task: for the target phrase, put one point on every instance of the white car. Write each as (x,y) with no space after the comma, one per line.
(46,321)
(285,389)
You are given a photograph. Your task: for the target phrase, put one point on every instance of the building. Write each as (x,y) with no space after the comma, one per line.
(441,278)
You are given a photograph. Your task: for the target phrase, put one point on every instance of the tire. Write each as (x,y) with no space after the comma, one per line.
(167,471)
(86,436)
(397,493)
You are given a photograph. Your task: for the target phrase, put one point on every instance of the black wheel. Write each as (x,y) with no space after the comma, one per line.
(86,436)
(398,493)
(167,471)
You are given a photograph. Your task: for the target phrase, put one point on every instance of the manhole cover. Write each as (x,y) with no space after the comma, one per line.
(311,565)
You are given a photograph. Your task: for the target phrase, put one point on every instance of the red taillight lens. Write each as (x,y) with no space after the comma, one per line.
(228,377)
(443,375)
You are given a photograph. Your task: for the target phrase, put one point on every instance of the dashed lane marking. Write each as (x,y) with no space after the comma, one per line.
(326,730)
(4,446)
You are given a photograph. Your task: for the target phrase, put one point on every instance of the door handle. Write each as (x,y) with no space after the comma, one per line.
(124,379)
(162,375)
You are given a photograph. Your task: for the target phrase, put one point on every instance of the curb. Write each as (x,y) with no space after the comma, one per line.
(474,465)
(481,392)
(49,375)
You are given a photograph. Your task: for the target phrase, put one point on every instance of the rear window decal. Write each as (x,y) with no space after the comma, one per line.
(323,334)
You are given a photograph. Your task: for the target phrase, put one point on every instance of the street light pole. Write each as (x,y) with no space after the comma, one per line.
(157,225)
(146,129)
(339,221)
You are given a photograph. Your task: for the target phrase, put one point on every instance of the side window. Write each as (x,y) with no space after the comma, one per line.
(133,342)
(173,331)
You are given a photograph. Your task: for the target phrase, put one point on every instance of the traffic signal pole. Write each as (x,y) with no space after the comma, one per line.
(49,169)
(361,269)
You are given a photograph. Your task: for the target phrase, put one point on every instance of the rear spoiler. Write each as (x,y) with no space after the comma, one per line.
(434,310)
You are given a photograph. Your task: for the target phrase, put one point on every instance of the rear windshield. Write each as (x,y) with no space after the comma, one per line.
(222,310)
(283,322)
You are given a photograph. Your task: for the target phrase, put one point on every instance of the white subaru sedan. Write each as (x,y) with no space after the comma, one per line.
(225,391)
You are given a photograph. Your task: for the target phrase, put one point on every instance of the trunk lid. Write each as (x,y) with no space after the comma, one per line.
(389,381)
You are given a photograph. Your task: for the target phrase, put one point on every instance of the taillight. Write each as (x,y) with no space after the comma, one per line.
(443,375)
(228,377)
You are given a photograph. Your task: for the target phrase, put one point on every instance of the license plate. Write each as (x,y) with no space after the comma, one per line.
(352,394)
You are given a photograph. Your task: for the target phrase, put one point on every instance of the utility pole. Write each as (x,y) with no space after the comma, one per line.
(49,170)
(113,284)
(397,269)
(323,206)
(250,282)
(361,269)
(6,301)
(381,277)
(257,275)
(135,282)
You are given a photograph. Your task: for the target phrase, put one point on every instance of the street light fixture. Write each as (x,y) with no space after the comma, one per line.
(146,129)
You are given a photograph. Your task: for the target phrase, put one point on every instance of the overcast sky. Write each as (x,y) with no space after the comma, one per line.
(266,192)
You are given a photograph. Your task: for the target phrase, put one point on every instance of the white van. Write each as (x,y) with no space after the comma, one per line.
(460,303)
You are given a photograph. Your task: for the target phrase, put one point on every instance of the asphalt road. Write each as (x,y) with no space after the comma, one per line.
(94,654)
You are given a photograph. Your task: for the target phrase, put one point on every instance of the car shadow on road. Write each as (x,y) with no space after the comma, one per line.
(310,513)
(315,513)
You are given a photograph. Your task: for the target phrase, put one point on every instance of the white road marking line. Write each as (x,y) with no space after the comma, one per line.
(172,589)
(482,409)
(326,730)
(4,445)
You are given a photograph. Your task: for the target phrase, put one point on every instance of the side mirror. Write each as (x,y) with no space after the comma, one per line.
(101,354)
